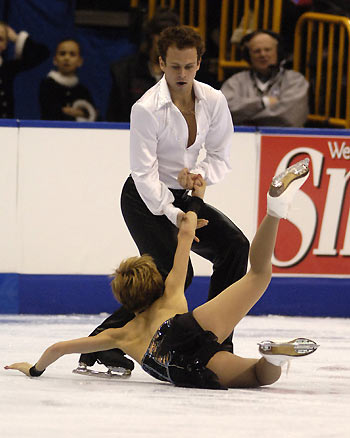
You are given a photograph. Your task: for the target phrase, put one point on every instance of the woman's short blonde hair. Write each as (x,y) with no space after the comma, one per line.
(137,283)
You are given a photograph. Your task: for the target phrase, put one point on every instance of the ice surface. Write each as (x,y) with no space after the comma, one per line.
(313,400)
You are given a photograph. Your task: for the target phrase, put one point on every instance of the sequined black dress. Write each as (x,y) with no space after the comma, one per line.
(179,352)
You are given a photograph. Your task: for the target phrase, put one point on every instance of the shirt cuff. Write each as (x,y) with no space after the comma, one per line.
(21,39)
(171,213)
(266,101)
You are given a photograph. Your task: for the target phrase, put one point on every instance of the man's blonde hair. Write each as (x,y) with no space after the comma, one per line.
(137,283)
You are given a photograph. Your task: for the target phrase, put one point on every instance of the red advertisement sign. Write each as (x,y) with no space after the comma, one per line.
(316,237)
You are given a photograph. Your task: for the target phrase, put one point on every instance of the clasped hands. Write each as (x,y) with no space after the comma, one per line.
(196,183)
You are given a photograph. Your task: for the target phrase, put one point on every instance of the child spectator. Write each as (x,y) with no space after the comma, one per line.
(62,96)
(28,54)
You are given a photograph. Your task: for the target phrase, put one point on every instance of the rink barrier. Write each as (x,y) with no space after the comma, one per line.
(47,293)
(91,294)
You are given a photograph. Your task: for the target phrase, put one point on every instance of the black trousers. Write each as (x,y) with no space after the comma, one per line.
(221,242)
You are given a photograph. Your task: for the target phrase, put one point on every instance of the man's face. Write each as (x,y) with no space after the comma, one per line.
(180,68)
(3,38)
(263,52)
(67,58)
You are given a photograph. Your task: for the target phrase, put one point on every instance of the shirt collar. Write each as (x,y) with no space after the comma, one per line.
(67,81)
(1,61)
(164,93)
(164,96)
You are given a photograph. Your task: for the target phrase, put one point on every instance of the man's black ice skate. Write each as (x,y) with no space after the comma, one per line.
(118,366)
(112,372)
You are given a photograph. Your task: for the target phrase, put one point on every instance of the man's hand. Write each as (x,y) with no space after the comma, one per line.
(186,179)
(199,186)
(273,100)
(11,34)
(23,367)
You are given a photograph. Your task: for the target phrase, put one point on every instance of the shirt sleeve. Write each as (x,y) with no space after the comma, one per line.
(144,164)
(246,105)
(292,108)
(243,105)
(218,143)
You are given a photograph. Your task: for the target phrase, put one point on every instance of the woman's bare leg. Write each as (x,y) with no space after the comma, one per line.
(237,372)
(221,314)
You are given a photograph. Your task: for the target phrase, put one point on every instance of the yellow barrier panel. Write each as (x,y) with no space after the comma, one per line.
(322,54)
(239,17)
(191,12)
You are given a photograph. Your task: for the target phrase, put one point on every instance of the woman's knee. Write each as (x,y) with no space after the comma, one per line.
(266,373)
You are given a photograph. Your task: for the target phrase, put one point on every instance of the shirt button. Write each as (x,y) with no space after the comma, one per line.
(2,93)
(4,103)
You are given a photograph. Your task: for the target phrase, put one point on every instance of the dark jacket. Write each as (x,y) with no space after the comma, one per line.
(130,80)
(53,96)
(32,55)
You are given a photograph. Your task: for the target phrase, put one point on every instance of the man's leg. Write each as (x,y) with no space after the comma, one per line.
(114,357)
(153,235)
(224,244)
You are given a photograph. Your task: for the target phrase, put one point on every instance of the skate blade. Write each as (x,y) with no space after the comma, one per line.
(280,182)
(115,373)
(297,347)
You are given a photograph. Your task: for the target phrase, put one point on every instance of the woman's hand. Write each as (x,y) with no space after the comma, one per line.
(186,179)
(183,217)
(73,112)
(23,367)
(199,186)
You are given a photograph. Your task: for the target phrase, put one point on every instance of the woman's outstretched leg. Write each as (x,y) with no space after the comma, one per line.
(238,372)
(221,314)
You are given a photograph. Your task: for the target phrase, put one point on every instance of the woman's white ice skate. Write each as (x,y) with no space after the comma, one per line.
(284,187)
(279,353)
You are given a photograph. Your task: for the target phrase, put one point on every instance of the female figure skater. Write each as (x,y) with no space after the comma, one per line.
(181,347)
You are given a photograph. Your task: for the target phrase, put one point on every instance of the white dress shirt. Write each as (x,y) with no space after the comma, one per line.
(159,138)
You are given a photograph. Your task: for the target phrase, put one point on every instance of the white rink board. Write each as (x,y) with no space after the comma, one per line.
(70,182)
(8,198)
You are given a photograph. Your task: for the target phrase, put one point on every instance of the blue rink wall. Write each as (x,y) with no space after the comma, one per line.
(90,294)
(61,231)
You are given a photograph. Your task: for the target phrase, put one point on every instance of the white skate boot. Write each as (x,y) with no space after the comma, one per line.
(284,187)
(279,353)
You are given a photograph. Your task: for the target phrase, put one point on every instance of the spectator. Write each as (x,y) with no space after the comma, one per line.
(62,96)
(28,54)
(267,94)
(134,75)
(335,7)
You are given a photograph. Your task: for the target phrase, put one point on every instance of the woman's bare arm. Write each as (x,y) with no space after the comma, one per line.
(175,281)
(100,342)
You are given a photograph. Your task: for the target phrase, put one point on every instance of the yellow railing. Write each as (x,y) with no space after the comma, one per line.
(322,54)
(191,12)
(239,16)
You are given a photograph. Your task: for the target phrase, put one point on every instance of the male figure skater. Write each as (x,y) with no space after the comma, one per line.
(185,348)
